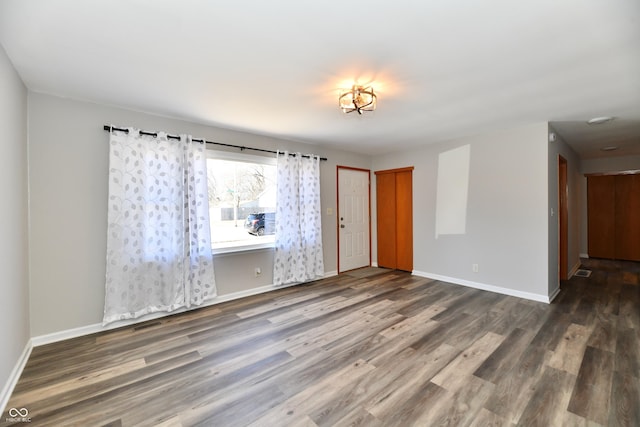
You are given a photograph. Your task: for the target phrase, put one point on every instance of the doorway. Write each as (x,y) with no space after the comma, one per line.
(563,219)
(354,218)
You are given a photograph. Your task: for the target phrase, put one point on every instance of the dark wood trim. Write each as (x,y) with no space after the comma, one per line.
(409,168)
(563,218)
(353,169)
(337,218)
(627,172)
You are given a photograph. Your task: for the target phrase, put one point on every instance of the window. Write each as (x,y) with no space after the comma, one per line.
(242,201)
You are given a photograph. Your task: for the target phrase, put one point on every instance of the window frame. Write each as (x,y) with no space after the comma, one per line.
(245,158)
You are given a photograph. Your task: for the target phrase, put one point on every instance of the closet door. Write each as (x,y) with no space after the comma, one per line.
(627,217)
(601,216)
(613,210)
(386,219)
(404,221)
(394,207)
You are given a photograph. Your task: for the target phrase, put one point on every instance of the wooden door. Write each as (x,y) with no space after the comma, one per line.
(394,195)
(353,219)
(563,216)
(601,216)
(627,217)
(386,219)
(404,221)
(613,211)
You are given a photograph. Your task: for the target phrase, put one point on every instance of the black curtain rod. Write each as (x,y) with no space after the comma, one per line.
(242,148)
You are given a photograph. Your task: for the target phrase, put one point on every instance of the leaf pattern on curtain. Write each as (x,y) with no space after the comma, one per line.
(298,252)
(158,242)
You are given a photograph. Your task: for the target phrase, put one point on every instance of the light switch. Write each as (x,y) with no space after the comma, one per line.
(329,211)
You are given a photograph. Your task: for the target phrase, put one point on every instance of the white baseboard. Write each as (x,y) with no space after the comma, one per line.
(98,327)
(5,395)
(574,269)
(330,273)
(81,331)
(554,294)
(374,263)
(584,256)
(485,287)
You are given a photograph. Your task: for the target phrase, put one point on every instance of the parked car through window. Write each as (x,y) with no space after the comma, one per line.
(261,223)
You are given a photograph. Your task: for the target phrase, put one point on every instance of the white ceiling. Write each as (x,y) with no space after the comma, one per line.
(442,68)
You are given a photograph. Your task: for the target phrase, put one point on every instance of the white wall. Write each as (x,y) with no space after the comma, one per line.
(507,212)
(574,207)
(68,155)
(14,278)
(507,231)
(610,164)
(607,164)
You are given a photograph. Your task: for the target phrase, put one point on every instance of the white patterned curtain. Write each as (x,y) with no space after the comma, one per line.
(298,254)
(158,242)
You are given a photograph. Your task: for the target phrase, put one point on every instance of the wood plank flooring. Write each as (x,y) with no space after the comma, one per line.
(378,349)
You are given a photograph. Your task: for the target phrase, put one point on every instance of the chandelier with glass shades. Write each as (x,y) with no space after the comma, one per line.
(358,98)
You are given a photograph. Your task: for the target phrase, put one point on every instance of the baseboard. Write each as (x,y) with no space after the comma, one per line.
(5,395)
(83,330)
(98,327)
(554,294)
(484,287)
(586,256)
(575,268)
(330,274)
(374,264)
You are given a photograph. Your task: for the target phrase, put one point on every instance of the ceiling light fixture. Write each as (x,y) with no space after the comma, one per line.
(599,120)
(610,148)
(358,98)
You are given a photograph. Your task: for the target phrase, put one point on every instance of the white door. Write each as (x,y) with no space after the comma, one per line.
(353,219)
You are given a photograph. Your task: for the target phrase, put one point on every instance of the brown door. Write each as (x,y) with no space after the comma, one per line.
(386,213)
(563,215)
(627,217)
(601,216)
(404,221)
(613,211)
(394,200)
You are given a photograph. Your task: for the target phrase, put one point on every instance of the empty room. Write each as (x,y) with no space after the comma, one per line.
(319,214)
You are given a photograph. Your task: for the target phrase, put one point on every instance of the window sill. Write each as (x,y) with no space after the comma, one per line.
(242,247)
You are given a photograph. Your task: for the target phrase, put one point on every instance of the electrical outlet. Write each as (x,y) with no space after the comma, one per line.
(257,271)
(474,267)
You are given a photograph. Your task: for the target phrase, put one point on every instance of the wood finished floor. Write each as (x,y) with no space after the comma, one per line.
(386,350)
